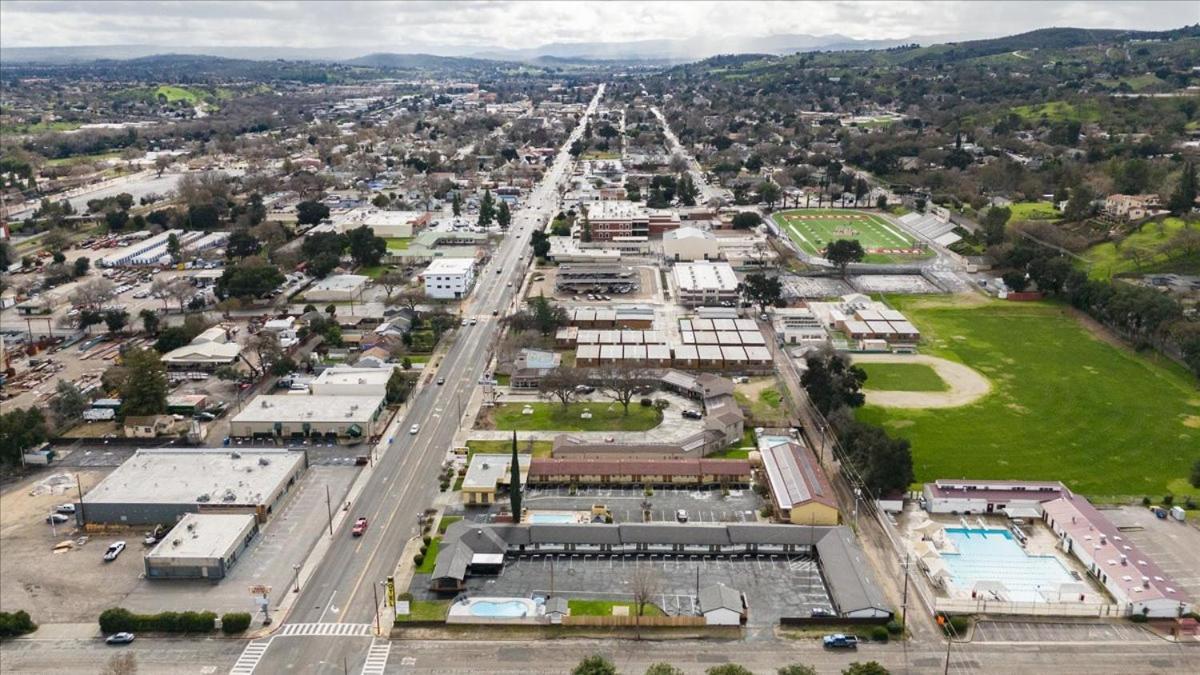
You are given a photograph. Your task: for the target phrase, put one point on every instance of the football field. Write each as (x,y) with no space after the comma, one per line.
(814,229)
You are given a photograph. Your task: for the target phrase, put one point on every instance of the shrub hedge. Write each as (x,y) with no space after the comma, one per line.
(235,622)
(16,623)
(119,619)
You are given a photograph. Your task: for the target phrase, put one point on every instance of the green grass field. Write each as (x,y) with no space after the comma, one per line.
(426,566)
(606,416)
(1032,211)
(426,610)
(814,229)
(1059,111)
(1107,259)
(605,608)
(902,377)
(538,448)
(1064,405)
(177,94)
(398,243)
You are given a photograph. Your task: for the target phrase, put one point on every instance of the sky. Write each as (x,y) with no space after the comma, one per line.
(477,25)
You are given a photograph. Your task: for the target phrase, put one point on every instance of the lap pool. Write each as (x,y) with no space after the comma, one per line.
(991,555)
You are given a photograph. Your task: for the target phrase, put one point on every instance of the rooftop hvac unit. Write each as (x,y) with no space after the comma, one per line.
(265,404)
(203,498)
(235,455)
(191,526)
(263,461)
(175,542)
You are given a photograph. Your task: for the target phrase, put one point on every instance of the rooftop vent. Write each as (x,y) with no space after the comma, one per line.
(263,461)
(235,455)
(203,498)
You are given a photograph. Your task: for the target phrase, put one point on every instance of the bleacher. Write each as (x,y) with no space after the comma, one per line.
(930,227)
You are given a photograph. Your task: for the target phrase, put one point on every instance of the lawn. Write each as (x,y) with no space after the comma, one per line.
(1064,405)
(1032,211)
(1059,111)
(539,448)
(426,566)
(398,243)
(741,450)
(902,377)
(606,416)
(374,272)
(1107,259)
(446,522)
(813,229)
(426,610)
(605,608)
(177,94)
(764,405)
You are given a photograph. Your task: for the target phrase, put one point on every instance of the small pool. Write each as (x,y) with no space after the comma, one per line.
(993,555)
(504,609)
(552,517)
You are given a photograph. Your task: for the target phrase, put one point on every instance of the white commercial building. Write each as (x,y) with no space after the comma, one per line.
(690,244)
(300,416)
(351,381)
(449,278)
(201,546)
(337,288)
(386,224)
(705,283)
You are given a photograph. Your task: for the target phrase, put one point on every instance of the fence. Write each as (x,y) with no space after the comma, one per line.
(645,621)
(835,621)
(991,606)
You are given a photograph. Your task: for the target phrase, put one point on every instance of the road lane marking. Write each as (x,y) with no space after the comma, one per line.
(327,606)
(327,629)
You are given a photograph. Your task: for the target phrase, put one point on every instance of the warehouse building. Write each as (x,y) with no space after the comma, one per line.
(800,491)
(690,244)
(288,416)
(201,546)
(162,486)
(351,381)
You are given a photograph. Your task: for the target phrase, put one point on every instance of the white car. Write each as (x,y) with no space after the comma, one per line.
(113,551)
(414,428)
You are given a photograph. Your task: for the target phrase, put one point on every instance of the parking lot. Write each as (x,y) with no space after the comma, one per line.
(1171,544)
(706,505)
(774,585)
(1042,631)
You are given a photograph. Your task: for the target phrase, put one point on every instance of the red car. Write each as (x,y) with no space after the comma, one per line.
(360,526)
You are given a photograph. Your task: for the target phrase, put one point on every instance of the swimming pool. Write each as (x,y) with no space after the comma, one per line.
(992,555)
(504,609)
(552,517)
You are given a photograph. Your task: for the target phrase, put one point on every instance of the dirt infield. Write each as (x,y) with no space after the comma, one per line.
(966,385)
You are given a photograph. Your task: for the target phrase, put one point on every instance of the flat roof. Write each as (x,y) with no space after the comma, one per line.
(168,476)
(705,276)
(488,470)
(340,282)
(450,266)
(203,535)
(314,408)
(354,376)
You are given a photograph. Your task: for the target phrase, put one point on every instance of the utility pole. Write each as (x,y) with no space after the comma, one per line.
(375,596)
(79,491)
(329,510)
(904,599)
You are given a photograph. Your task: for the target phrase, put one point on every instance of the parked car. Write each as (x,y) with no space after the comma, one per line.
(692,414)
(113,551)
(441,380)
(681,515)
(360,526)
(68,509)
(584,389)
(119,639)
(414,428)
(840,641)
(57,519)
(821,612)
(204,417)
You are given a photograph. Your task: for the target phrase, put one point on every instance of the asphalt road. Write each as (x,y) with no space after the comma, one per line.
(404,480)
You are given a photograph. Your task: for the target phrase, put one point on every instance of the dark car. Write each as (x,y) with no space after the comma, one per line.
(840,641)
(692,414)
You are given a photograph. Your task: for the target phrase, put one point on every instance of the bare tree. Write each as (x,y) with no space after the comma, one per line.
(408,298)
(561,384)
(121,664)
(181,290)
(622,383)
(390,282)
(645,584)
(266,351)
(93,293)
(161,163)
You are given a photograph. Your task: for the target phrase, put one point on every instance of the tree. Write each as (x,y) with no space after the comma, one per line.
(150,320)
(514,485)
(881,204)
(68,404)
(143,384)
(116,319)
(645,585)
(365,248)
(663,669)
(265,349)
(686,190)
(832,382)
(173,248)
(622,383)
(250,278)
(595,664)
(241,244)
(540,243)
(1015,280)
(868,668)
(311,212)
(456,204)
(769,193)
(843,252)
(399,386)
(560,384)
(1183,199)
(746,220)
(1079,206)
(728,669)
(390,281)
(20,430)
(994,222)
(203,217)
(93,294)
(762,290)
(487,209)
(797,669)
(503,215)
(116,220)
(80,267)
(180,290)
(161,163)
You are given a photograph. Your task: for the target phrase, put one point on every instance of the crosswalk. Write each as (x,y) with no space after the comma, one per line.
(250,657)
(377,658)
(325,629)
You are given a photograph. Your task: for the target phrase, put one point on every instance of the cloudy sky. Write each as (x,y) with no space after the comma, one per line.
(468,26)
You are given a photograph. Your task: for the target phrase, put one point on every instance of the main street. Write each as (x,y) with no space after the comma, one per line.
(344,587)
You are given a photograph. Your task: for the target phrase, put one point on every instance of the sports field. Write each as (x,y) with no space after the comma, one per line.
(1064,405)
(902,377)
(814,229)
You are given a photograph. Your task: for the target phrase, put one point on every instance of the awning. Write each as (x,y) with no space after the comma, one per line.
(1031,512)
(354,430)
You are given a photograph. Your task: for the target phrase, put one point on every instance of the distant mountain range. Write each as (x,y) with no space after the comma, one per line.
(666,51)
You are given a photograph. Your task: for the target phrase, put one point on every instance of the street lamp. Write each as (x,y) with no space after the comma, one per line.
(296,571)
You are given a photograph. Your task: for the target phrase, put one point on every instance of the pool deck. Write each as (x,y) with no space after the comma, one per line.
(460,612)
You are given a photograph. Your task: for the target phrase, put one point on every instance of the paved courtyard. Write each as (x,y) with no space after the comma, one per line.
(1172,544)
(775,586)
(1049,631)
(893,283)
